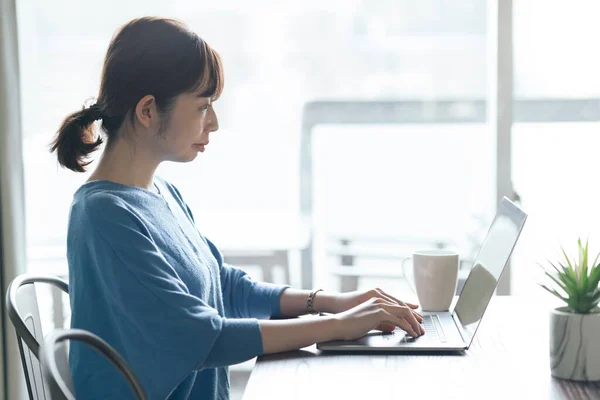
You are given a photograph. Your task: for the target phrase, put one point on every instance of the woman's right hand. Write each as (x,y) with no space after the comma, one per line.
(380,314)
(375,313)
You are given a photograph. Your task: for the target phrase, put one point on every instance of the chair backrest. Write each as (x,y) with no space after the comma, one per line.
(23,311)
(54,373)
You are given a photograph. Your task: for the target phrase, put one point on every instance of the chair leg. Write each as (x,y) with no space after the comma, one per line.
(24,363)
(57,308)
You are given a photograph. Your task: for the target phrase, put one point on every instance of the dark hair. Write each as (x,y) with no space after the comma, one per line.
(147,56)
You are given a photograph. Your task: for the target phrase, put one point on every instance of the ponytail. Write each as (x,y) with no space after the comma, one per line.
(74,140)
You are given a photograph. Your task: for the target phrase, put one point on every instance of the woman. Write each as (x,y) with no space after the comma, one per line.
(141,275)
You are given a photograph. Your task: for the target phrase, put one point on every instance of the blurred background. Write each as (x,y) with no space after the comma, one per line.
(352,132)
(428,177)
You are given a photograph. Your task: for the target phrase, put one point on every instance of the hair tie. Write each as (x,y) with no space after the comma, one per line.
(96,112)
(93,108)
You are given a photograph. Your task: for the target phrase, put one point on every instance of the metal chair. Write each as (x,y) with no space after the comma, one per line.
(23,311)
(53,366)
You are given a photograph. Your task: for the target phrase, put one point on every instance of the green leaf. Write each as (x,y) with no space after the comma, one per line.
(583,263)
(553,266)
(559,283)
(570,272)
(564,269)
(595,261)
(594,278)
(589,296)
(583,277)
(554,292)
(565,274)
(571,286)
(583,251)
(566,258)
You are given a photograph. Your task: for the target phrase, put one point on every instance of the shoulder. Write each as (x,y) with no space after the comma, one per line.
(107,211)
(101,205)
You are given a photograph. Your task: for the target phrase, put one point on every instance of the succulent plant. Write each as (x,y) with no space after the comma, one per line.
(578,281)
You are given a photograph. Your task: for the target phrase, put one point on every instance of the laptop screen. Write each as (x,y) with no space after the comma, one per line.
(488,266)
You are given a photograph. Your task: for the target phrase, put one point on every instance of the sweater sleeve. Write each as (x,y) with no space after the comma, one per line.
(242,296)
(159,315)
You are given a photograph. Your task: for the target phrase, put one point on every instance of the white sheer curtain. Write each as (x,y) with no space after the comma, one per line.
(12,213)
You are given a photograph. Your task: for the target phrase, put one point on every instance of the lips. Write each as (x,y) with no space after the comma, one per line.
(200,146)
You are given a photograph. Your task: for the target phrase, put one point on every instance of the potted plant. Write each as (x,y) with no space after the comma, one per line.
(575,329)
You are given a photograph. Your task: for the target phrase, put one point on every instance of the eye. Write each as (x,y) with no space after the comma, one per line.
(205,107)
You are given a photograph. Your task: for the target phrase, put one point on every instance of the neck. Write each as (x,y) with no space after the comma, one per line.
(126,164)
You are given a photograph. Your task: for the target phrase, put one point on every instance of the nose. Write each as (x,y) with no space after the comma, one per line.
(213,124)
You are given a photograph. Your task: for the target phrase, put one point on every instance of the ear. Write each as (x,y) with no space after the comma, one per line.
(146,111)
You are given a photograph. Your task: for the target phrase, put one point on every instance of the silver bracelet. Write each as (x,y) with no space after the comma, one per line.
(309,301)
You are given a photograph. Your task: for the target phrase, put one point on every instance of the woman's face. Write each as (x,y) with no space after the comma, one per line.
(187,130)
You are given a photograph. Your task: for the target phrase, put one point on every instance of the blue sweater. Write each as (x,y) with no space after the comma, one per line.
(143,278)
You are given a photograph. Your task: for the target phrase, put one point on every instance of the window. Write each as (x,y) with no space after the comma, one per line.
(553,162)
(278,59)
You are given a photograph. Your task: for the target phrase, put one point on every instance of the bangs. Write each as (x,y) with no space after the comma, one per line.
(210,83)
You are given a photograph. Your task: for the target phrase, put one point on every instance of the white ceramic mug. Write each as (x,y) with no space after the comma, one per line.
(435,278)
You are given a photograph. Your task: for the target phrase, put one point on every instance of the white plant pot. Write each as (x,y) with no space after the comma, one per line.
(574,345)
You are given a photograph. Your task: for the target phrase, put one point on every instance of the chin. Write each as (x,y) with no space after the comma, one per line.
(184,158)
(190,157)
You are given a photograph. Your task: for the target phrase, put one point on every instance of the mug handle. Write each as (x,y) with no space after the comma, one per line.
(407,277)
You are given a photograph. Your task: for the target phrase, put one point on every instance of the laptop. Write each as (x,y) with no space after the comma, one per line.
(453,331)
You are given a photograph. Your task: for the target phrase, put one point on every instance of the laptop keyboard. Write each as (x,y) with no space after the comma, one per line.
(433,332)
(428,325)
(433,328)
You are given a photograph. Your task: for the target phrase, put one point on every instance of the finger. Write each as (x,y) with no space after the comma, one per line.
(406,313)
(399,322)
(386,327)
(392,299)
(381,300)
(396,300)
(409,305)
(412,319)
(418,316)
